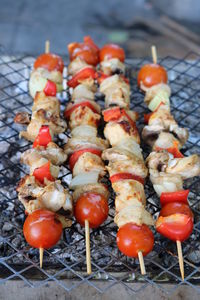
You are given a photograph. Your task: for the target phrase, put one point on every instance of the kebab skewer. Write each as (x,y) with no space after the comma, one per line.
(85,147)
(42,196)
(126,165)
(167,165)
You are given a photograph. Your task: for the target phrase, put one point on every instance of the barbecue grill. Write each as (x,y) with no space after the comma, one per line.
(67,259)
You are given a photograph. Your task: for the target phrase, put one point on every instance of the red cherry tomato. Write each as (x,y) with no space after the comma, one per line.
(50,88)
(42,229)
(176,208)
(75,156)
(43,172)
(151,74)
(132,238)
(112,51)
(121,176)
(89,41)
(176,227)
(178,196)
(50,62)
(68,111)
(92,207)
(80,76)
(87,51)
(43,137)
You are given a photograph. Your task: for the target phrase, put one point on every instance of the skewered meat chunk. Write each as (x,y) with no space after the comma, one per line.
(34,196)
(116,131)
(47,103)
(81,142)
(133,214)
(165,182)
(83,115)
(22,118)
(116,91)
(166,140)
(88,162)
(98,188)
(128,192)
(83,91)
(52,152)
(186,167)
(76,65)
(39,118)
(112,66)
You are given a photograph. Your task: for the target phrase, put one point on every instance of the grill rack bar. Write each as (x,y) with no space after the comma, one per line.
(67,259)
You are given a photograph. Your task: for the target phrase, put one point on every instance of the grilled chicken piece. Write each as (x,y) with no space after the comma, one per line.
(76,65)
(35,160)
(112,66)
(165,182)
(116,154)
(42,117)
(81,142)
(98,188)
(22,118)
(166,140)
(83,115)
(154,90)
(47,103)
(186,167)
(38,77)
(88,162)
(133,214)
(162,120)
(34,196)
(83,91)
(116,91)
(134,166)
(52,152)
(116,131)
(129,145)
(128,193)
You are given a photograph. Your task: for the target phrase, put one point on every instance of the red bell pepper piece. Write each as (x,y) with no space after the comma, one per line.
(80,76)
(173,150)
(75,156)
(43,172)
(122,176)
(43,137)
(68,112)
(178,196)
(176,227)
(50,88)
(115,113)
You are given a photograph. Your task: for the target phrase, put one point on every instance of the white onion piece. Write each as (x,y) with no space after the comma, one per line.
(84,130)
(165,187)
(84,178)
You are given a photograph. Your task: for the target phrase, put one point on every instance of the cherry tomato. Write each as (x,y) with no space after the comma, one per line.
(80,76)
(176,227)
(132,238)
(85,51)
(112,51)
(75,156)
(42,229)
(43,172)
(92,207)
(89,41)
(176,208)
(68,111)
(121,176)
(177,196)
(151,74)
(50,62)
(43,137)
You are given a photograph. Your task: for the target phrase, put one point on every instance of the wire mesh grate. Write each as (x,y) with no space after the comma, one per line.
(65,263)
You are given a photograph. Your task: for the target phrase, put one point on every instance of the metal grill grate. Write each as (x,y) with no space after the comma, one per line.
(67,259)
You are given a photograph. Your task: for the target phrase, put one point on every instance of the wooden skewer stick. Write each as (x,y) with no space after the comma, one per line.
(47,46)
(141,260)
(87,243)
(41,256)
(180,258)
(154,54)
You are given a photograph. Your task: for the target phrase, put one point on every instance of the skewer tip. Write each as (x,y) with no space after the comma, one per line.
(47,46)
(41,256)
(142,265)
(154,54)
(87,243)
(180,259)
